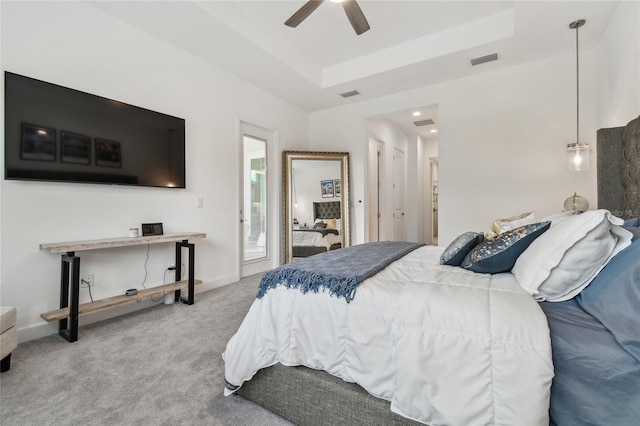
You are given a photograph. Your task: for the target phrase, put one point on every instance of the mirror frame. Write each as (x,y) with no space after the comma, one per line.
(288,157)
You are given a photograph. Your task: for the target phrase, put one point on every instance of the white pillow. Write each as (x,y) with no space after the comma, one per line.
(564,260)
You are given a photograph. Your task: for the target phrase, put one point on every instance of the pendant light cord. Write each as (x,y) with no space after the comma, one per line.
(577,88)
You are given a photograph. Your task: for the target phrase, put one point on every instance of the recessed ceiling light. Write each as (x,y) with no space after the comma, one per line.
(337,1)
(416,113)
(433,130)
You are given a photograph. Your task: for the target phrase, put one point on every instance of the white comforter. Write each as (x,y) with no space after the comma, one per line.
(315,239)
(444,345)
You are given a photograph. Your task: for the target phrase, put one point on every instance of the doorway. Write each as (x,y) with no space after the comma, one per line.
(255,233)
(375,179)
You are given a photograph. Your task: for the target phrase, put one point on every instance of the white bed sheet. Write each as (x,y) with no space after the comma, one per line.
(314,239)
(444,345)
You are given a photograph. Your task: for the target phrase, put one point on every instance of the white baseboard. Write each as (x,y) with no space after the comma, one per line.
(36,331)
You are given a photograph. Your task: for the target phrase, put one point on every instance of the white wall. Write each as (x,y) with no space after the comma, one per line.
(618,56)
(77,45)
(502,141)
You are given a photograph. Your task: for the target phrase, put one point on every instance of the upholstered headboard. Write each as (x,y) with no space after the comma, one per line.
(327,210)
(619,170)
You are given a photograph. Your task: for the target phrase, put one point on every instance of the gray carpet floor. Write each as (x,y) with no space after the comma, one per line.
(158,366)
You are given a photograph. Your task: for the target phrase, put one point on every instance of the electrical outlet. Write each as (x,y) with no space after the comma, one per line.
(86,280)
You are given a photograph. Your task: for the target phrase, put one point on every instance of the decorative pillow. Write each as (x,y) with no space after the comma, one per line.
(331,223)
(564,260)
(454,254)
(500,253)
(319,225)
(511,223)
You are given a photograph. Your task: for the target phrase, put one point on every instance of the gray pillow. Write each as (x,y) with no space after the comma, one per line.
(500,253)
(455,252)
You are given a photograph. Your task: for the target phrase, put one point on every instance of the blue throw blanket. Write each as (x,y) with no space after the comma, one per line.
(339,271)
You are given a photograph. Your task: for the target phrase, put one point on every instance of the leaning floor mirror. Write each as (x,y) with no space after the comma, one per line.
(316,203)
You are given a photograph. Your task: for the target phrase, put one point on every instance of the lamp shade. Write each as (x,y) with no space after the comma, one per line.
(578,157)
(576,204)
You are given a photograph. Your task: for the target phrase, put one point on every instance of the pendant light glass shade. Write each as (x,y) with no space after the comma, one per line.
(578,157)
(577,153)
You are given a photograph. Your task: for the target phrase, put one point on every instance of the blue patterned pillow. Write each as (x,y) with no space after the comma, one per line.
(499,254)
(454,254)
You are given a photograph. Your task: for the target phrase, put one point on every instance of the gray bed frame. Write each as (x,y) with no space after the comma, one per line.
(310,397)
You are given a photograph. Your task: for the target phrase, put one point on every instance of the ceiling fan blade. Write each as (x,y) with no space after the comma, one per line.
(303,13)
(356,17)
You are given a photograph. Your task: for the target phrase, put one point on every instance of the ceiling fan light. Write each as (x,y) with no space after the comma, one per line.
(354,14)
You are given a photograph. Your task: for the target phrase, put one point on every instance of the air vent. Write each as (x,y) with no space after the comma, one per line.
(426,122)
(483,59)
(349,94)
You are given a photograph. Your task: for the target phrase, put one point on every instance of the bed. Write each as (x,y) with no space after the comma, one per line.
(423,342)
(319,239)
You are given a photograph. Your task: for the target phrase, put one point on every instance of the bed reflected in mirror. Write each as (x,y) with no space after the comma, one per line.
(316,203)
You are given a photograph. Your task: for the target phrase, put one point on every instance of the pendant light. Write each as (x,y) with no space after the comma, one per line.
(577,153)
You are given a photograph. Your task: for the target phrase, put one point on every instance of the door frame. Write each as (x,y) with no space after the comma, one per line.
(375,194)
(273,198)
(433,203)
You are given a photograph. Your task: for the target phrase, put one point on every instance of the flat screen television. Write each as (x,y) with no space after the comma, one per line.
(53,133)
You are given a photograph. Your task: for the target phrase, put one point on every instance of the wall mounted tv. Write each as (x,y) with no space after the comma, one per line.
(53,133)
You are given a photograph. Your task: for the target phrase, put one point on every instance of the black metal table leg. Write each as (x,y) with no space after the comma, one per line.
(189,300)
(68,327)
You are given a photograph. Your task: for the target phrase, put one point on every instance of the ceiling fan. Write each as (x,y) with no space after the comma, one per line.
(351,8)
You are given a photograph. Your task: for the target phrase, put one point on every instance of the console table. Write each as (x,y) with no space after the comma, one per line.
(70,277)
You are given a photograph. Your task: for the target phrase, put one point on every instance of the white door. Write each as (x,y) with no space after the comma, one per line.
(375,174)
(397,190)
(255,236)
